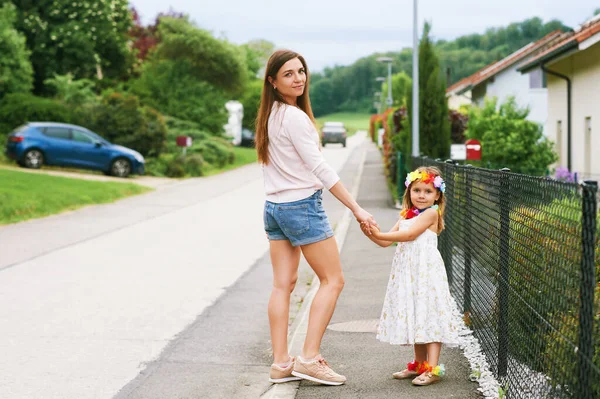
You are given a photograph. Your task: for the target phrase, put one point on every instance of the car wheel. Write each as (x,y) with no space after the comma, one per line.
(33,159)
(120,167)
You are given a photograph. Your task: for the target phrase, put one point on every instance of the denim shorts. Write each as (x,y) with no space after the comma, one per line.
(301,222)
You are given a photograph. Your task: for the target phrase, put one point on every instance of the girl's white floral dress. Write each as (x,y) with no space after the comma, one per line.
(418,307)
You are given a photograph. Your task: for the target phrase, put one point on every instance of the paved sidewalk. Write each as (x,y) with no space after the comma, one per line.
(367,363)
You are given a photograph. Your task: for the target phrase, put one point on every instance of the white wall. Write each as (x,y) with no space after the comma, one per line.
(584,70)
(510,82)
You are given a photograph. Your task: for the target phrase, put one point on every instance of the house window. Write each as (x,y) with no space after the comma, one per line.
(537,79)
(588,145)
(559,133)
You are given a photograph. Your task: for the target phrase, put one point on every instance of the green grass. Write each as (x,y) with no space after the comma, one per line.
(353,121)
(243,156)
(26,196)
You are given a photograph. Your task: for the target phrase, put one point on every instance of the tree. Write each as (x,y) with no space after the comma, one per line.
(434,126)
(400,84)
(171,87)
(211,60)
(72,91)
(251,101)
(16,72)
(84,38)
(258,52)
(508,140)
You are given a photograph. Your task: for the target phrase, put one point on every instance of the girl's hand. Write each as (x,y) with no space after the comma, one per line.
(364,226)
(375,231)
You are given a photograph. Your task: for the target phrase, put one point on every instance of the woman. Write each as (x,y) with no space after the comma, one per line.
(295,174)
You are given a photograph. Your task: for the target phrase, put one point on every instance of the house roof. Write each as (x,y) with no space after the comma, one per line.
(568,41)
(495,68)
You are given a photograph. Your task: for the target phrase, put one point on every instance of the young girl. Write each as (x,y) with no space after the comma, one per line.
(417,309)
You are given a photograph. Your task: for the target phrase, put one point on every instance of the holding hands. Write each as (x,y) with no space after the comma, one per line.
(365,219)
(370,230)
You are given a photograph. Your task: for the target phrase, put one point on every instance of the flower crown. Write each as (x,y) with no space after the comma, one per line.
(426,178)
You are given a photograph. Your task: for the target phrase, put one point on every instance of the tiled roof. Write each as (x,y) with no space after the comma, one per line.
(496,67)
(567,41)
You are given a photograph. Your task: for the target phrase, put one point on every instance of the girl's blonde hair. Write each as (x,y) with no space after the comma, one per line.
(270,95)
(441,202)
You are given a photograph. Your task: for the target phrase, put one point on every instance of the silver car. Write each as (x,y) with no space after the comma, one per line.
(333,132)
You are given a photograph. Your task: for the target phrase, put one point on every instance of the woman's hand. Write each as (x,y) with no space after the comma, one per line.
(363,216)
(364,226)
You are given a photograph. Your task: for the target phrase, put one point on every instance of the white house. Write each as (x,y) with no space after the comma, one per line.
(502,80)
(572,65)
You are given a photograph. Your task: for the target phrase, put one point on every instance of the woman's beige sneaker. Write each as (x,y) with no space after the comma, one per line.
(317,370)
(280,374)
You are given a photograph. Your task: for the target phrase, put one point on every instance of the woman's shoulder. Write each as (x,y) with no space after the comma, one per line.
(292,114)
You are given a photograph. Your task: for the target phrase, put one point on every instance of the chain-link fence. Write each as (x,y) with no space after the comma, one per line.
(522,255)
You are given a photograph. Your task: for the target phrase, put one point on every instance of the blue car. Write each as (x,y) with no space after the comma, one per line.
(45,143)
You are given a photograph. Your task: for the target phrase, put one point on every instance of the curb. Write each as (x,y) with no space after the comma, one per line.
(296,338)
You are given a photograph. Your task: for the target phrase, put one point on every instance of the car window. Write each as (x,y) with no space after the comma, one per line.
(57,133)
(82,137)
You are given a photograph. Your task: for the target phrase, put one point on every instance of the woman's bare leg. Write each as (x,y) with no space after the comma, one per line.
(285,260)
(324,258)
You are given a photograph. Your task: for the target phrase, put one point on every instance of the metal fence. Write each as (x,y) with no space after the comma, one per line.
(522,255)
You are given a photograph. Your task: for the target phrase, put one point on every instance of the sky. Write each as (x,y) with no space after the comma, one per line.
(339,32)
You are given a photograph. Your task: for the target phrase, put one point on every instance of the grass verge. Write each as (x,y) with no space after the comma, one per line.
(243,156)
(26,196)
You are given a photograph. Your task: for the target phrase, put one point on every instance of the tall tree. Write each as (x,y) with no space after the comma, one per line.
(434,126)
(215,61)
(16,72)
(85,38)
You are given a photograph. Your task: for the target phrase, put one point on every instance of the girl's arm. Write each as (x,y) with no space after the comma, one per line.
(423,222)
(382,243)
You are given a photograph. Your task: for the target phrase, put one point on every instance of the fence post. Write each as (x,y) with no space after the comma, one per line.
(467,237)
(588,282)
(504,275)
(450,171)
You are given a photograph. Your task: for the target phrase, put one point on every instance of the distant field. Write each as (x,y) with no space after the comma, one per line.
(27,195)
(353,121)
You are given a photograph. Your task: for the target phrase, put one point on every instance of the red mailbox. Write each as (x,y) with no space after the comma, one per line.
(473,150)
(184,141)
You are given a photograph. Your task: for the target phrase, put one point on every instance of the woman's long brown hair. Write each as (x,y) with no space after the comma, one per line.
(441,202)
(270,95)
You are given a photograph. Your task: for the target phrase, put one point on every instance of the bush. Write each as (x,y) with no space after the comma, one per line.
(508,140)
(171,165)
(216,151)
(17,109)
(545,247)
(121,120)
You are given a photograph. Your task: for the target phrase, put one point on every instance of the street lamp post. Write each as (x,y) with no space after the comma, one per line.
(388,61)
(415,113)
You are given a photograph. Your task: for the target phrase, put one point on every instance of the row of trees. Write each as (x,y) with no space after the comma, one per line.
(458,58)
(93,59)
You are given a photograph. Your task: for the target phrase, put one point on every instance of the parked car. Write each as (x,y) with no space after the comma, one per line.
(247,138)
(46,143)
(333,132)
